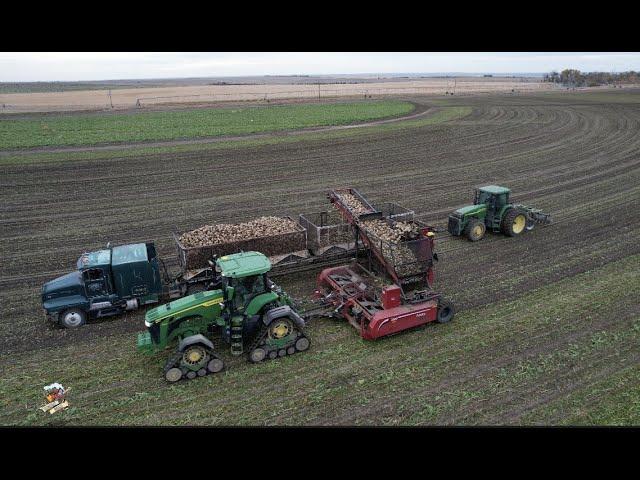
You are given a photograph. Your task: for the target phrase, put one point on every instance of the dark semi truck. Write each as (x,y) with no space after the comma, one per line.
(113,280)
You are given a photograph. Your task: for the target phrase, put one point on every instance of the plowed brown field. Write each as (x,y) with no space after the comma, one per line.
(548,324)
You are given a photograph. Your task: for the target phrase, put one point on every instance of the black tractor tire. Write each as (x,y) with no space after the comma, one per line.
(509,226)
(73,318)
(475,230)
(445,312)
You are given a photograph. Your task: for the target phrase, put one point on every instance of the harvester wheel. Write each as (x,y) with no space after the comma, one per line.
(514,222)
(257,355)
(173,374)
(73,318)
(215,365)
(445,312)
(475,230)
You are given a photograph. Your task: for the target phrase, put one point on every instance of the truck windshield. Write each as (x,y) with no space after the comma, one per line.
(101,257)
(129,254)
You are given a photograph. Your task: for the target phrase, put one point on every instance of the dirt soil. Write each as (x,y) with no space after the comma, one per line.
(126,98)
(575,158)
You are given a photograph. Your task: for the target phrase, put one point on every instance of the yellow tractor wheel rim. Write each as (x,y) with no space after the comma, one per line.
(477,230)
(518,224)
(194,356)
(280,330)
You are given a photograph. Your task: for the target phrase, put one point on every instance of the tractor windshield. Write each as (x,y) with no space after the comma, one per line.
(482,197)
(250,285)
(246,288)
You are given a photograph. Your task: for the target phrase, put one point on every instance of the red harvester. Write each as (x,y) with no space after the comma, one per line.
(351,290)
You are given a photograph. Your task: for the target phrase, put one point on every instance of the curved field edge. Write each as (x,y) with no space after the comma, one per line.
(441,115)
(82,129)
(427,376)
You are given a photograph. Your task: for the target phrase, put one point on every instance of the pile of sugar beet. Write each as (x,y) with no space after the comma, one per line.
(233,232)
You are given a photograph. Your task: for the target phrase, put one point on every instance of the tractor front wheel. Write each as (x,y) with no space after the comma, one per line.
(514,222)
(475,230)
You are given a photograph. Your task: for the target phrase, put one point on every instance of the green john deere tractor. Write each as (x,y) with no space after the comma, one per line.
(492,211)
(251,313)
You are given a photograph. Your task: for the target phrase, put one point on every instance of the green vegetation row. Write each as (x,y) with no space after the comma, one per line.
(94,129)
(31,158)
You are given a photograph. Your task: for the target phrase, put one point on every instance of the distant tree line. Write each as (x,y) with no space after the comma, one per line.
(576,78)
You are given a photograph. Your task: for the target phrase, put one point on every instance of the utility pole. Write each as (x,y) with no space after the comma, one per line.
(110,100)
(318,91)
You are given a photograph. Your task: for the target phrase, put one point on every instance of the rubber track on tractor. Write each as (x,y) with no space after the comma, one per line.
(259,340)
(174,361)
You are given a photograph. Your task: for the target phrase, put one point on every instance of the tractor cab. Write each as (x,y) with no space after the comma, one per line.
(493,196)
(244,277)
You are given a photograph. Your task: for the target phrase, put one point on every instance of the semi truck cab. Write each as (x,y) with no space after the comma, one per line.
(107,282)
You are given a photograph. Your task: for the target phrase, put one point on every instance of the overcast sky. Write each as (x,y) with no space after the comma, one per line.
(33,66)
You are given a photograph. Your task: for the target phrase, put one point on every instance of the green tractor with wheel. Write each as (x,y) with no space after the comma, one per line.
(492,211)
(250,312)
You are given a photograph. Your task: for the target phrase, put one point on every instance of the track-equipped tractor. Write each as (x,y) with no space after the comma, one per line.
(253,315)
(492,211)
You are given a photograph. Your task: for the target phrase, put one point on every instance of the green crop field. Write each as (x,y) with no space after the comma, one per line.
(547,325)
(58,130)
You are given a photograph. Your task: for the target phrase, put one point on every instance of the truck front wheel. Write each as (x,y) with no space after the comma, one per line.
(73,318)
